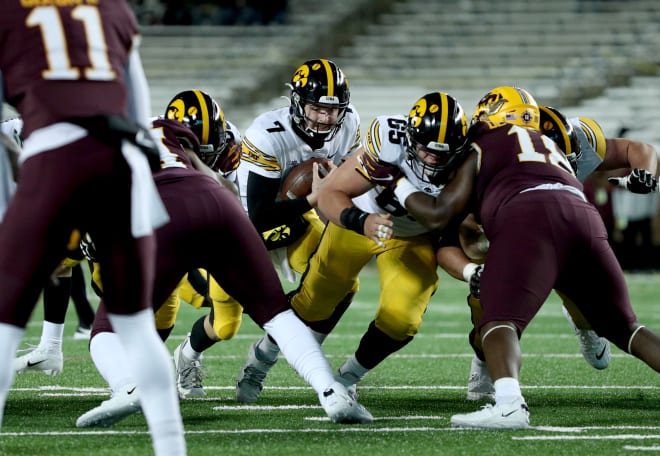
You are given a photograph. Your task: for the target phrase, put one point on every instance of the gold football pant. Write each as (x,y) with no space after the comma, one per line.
(227,312)
(407,271)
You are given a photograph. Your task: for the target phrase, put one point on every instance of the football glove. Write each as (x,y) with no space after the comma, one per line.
(475,281)
(230,159)
(638,181)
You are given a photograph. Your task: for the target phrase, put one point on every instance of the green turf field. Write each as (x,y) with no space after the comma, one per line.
(574,408)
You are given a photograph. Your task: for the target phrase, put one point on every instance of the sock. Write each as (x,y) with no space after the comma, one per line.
(267,348)
(51,336)
(199,341)
(320,337)
(149,362)
(108,356)
(351,372)
(10,337)
(188,351)
(301,350)
(507,389)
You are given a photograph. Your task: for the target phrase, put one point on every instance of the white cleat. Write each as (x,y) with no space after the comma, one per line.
(512,415)
(341,408)
(188,374)
(252,376)
(480,385)
(50,362)
(595,349)
(82,333)
(122,404)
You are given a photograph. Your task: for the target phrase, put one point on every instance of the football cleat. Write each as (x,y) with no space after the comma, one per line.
(122,404)
(48,361)
(595,349)
(82,333)
(252,376)
(512,415)
(349,380)
(341,408)
(480,385)
(188,373)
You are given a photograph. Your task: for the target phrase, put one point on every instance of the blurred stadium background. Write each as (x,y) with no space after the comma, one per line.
(593,58)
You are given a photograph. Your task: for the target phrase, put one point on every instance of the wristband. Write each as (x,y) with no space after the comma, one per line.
(353,218)
(404,188)
(468,270)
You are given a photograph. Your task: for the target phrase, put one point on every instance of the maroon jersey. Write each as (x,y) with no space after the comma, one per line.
(171,133)
(513,159)
(84,46)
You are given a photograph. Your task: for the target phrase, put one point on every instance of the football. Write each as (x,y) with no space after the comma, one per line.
(297,183)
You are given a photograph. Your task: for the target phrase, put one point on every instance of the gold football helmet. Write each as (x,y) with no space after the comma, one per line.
(508,105)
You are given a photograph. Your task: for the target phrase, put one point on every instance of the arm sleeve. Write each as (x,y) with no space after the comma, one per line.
(264,210)
(139,101)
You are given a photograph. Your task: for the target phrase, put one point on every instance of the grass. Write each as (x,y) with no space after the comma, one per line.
(574,408)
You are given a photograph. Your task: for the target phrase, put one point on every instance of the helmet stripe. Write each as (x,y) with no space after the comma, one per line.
(331,79)
(562,130)
(206,122)
(522,94)
(444,108)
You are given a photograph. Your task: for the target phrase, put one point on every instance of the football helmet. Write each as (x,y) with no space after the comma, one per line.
(436,125)
(203,115)
(556,126)
(508,105)
(321,82)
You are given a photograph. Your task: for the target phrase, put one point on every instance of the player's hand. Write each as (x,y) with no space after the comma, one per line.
(229,159)
(319,177)
(378,228)
(638,181)
(475,281)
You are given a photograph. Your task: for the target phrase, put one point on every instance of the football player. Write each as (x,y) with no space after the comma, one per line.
(588,151)
(543,234)
(209,225)
(320,122)
(84,117)
(366,222)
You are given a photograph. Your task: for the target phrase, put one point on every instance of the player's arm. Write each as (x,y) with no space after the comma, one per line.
(139,102)
(626,153)
(265,211)
(335,202)
(199,165)
(452,202)
(640,157)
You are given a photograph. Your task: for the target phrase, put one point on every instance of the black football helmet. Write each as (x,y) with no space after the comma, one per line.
(203,115)
(556,126)
(438,124)
(322,82)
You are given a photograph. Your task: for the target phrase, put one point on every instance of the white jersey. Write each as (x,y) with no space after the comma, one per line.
(271,146)
(385,144)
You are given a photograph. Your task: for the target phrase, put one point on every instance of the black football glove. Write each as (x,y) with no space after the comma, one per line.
(638,181)
(475,282)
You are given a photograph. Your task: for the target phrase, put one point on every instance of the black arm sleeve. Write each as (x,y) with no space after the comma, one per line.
(264,208)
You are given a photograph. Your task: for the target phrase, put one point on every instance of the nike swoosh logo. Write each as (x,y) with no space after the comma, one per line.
(131,390)
(504,415)
(387,178)
(602,353)
(31,364)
